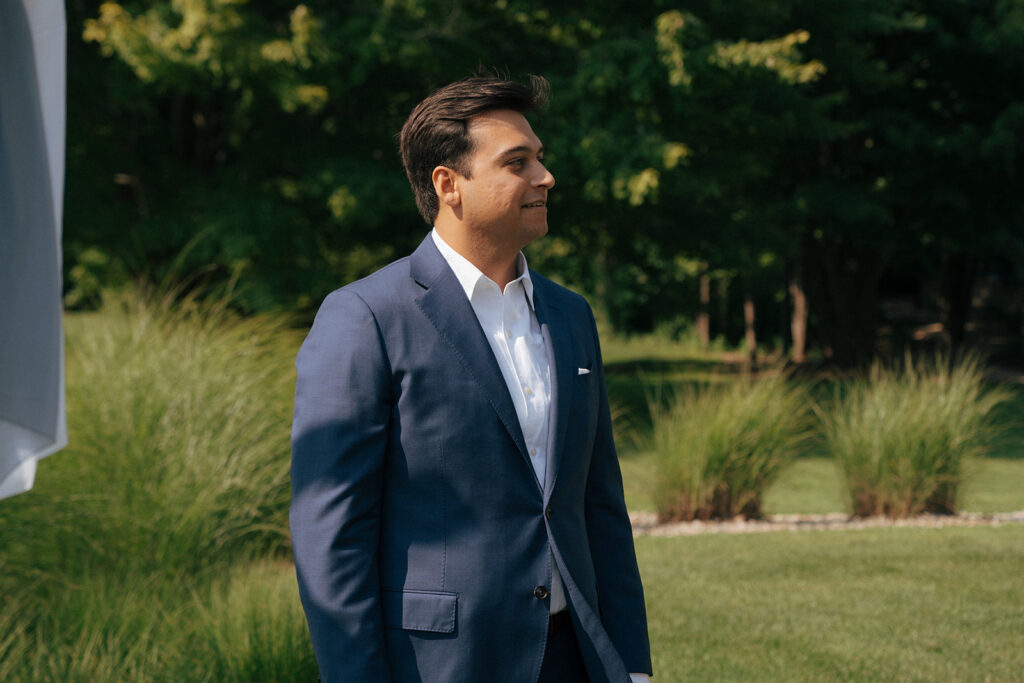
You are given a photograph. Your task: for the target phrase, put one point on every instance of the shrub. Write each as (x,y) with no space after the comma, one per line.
(96,630)
(718,448)
(244,625)
(248,626)
(178,421)
(902,438)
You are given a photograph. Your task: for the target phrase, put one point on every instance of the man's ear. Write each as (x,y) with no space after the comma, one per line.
(446,186)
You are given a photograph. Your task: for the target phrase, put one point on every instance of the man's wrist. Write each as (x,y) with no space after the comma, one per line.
(639,678)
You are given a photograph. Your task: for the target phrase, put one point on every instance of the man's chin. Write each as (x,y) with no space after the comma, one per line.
(534,232)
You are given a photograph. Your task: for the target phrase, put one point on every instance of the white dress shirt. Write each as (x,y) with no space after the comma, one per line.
(509,321)
(510,324)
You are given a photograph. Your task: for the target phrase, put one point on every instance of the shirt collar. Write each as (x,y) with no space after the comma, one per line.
(469,275)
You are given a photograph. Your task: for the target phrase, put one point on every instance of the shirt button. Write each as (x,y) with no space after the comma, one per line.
(508,334)
(540,592)
(533,451)
(547,512)
(527,391)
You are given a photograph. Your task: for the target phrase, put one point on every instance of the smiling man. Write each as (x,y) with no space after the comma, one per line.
(457,511)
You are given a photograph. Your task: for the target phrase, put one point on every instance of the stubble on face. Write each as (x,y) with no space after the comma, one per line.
(505,196)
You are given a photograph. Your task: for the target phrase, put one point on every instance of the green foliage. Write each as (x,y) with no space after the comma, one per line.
(244,626)
(903,438)
(178,446)
(94,628)
(719,448)
(176,471)
(94,271)
(249,626)
(850,143)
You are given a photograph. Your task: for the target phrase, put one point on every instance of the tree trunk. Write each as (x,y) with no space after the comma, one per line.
(748,320)
(722,295)
(798,317)
(703,316)
(960,273)
(841,284)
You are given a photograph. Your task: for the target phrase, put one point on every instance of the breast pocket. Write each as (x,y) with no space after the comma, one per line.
(419,610)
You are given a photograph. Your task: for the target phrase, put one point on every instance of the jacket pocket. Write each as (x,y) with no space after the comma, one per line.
(419,610)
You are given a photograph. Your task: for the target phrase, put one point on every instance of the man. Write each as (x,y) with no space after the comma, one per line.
(457,511)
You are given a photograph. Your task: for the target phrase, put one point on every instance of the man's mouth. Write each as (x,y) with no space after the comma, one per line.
(534,205)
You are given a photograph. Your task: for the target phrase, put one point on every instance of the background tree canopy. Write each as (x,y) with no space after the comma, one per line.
(713,158)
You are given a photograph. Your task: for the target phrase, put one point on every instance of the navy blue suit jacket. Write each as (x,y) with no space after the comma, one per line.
(420,531)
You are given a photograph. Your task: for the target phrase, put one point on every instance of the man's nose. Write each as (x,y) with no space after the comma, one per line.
(546,180)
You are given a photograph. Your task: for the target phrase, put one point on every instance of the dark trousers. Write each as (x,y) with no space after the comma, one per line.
(563,662)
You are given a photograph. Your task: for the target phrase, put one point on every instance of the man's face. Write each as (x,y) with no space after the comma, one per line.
(504,200)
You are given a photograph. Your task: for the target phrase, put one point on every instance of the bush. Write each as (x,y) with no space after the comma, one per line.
(178,422)
(249,627)
(718,448)
(246,625)
(176,475)
(902,438)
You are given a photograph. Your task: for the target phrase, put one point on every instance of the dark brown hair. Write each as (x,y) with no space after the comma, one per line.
(436,132)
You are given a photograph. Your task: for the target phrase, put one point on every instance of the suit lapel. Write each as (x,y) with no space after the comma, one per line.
(559,341)
(445,304)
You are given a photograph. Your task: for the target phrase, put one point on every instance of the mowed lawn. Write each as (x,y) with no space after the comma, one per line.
(907,604)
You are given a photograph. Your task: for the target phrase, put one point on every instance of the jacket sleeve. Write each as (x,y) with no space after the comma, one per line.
(339,439)
(620,593)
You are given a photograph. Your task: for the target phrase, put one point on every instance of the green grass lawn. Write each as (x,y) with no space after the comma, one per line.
(812,486)
(872,605)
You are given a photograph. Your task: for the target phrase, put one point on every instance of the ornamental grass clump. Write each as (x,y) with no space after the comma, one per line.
(718,448)
(178,423)
(903,437)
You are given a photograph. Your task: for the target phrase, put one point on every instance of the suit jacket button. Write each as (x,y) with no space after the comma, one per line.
(547,512)
(540,592)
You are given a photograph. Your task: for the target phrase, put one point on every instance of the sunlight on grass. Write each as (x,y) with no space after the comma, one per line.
(877,605)
(245,626)
(249,626)
(809,486)
(178,444)
(813,486)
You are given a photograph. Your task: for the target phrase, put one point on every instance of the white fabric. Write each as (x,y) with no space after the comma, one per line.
(510,324)
(32,110)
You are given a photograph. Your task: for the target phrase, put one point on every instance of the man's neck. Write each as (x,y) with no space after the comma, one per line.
(496,264)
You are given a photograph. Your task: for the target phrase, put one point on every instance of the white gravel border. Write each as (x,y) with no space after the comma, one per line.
(646,523)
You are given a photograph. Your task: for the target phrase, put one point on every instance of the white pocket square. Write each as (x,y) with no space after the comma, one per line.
(583,371)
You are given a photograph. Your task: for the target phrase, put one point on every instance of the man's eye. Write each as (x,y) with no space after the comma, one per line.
(516,162)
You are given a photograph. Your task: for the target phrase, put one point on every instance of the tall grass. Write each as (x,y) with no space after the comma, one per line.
(246,625)
(130,559)
(249,626)
(719,447)
(97,629)
(904,437)
(178,421)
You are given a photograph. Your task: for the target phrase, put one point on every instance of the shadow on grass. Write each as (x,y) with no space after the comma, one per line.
(1010,445)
